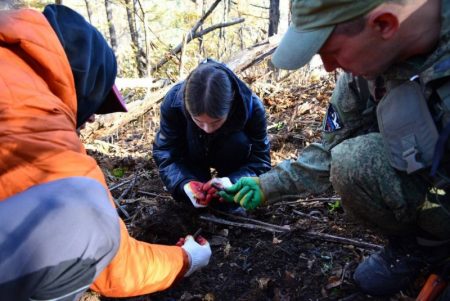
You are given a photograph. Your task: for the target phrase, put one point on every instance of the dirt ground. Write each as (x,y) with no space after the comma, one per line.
(308,252)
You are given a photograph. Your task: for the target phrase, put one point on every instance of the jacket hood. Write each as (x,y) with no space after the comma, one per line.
(242,107)
(92,61)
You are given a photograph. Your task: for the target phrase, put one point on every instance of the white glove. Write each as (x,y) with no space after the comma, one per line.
(198,254)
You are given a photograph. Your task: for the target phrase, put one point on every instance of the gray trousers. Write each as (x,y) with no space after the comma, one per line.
(55,239)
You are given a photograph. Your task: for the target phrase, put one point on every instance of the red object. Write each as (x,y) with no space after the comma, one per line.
(432,288)
(197,190)
(211,188)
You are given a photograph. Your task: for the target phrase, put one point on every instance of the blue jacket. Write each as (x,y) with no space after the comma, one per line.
(183,152)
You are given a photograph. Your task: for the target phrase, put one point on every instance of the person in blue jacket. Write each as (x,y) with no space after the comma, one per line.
(210,121)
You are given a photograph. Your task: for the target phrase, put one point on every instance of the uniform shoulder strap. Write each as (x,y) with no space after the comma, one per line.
(444,94)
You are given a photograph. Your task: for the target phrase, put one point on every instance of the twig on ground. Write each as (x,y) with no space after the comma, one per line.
(258,225)
(126,181)
(324,199)
(154,194)
(341,240)
(254,221)
(197,233)
(120,184)
(125,192)
(122,196)
(304,200)
(310,216)
(120,207)
(217,220)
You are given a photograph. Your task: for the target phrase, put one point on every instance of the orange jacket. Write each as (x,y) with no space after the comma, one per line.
(38,144)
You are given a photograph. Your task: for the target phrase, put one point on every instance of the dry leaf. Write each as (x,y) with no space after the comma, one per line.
(263,282)
(276,241)
(333,281)
(209,297)
(227,249)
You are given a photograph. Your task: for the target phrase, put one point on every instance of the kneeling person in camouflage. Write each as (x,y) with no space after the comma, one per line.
(385,145)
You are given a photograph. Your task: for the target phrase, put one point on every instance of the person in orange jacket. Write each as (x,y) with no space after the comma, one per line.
(60,233)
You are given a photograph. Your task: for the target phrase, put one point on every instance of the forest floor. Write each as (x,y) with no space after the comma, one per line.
(308,252)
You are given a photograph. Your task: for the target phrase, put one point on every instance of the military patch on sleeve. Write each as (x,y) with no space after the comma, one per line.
(332,120)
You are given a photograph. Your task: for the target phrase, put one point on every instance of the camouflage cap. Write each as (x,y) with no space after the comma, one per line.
(312,23)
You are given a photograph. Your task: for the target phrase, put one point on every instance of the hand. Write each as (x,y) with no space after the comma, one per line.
(247,192)
(195,188)
(199,252)
(213,186)
(210,190)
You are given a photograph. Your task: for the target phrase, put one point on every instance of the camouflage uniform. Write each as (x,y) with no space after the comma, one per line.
(352,157)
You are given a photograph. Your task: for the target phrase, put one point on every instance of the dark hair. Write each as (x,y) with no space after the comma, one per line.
(208,90)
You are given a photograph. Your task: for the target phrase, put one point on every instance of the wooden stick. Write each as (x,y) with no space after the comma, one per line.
(254,221)
(303,200)
(341,240)
(279,229)
(154,194)
(308,216)
(125,192)
(242,225)
(120,184)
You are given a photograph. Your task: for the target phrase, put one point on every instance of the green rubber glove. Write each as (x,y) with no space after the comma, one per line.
(246,192)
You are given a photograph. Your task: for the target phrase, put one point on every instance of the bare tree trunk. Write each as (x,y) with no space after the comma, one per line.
(138,51)
(274,17)
(222,43)
(58,2)
(131,22)
(201,47)
(143,47)
(181,73)
(89,10)
(112,30)
(289,15)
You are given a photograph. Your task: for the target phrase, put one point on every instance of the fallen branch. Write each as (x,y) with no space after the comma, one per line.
(272,228)
(283,229)
(154,194)
(122,196)
(254,55)
(303,200)
(341,240)
(109,124)
(120,184)
(254,221)
(125,192)
(310,216)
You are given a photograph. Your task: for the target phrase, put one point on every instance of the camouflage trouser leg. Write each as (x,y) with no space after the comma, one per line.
(379,196)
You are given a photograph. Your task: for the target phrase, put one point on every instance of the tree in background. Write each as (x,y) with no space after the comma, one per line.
(112,30)
(140,54)
(274,17)
(146,33)
(88,10)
